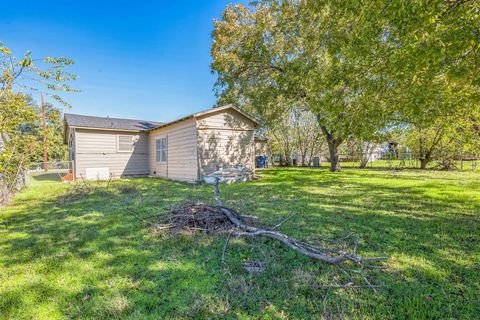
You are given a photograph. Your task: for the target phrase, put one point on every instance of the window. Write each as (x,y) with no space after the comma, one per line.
(125,144)
(161,151)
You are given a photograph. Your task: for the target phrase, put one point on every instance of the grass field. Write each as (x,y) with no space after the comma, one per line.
(85,256)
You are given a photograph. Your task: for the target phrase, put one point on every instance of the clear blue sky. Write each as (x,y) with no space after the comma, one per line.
(137,59)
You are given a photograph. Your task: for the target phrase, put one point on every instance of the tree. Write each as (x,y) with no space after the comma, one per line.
(18,117)
(296,134)
(32,75)
(445,140)
(52,135)
(359,66)
(18,145)
(433,72)
(282,53)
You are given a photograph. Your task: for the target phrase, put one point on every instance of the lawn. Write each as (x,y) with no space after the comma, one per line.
(85,256)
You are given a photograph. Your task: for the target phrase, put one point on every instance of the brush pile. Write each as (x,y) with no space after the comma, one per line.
(198,216)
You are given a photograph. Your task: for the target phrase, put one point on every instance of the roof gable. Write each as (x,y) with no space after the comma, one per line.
(208,112)
(226,107)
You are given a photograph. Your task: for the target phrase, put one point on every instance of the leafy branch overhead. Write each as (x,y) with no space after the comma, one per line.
(31,75)
(20,117)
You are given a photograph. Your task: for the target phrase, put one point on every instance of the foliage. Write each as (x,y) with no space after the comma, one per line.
(16,112)
(359,66)
(447,139)
(19,119)
(297,135)
(91,258)
(53,135)
(32,75)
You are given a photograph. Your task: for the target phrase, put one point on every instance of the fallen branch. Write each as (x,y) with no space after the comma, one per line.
(324,254)
(220,219)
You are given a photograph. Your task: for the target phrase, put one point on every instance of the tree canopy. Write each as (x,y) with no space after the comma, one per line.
(359,66)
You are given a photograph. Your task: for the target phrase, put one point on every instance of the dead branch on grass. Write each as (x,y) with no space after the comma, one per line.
(328,255)
(199,216)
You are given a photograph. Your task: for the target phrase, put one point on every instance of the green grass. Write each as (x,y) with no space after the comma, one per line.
(88,258)
(466,165)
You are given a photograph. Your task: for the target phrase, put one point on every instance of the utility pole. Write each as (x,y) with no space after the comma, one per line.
(44,123)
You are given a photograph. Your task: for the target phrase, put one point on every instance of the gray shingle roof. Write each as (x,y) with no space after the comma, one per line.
(76,120)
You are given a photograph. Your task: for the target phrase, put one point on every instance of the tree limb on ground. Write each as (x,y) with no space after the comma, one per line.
(208,218)
(328,255)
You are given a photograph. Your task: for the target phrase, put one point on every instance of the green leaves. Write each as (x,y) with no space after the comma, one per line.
(359,66)
(48,73)
(59,61)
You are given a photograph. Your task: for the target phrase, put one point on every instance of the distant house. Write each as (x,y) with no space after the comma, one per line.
(185,149)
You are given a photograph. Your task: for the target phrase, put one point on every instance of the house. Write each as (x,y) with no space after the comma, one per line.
(261,146)
(185,149)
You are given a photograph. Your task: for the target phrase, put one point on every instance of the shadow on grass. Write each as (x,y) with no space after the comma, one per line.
(100,261)
(45,176)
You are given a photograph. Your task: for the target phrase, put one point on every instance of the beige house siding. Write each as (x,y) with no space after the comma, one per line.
(225,139)
(261,148)
(181,152)
(98,149)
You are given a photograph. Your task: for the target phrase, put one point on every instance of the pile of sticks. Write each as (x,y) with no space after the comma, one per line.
(193,216)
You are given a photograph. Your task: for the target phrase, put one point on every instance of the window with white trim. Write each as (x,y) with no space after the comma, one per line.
(124,143)
(161,149)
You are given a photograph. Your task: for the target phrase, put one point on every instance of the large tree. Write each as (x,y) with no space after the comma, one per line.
(358,65)
(287,53)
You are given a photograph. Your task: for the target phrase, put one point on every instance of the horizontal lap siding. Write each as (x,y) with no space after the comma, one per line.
(182,152)
(225,139)
(98,149)
(261,148)
(226,119)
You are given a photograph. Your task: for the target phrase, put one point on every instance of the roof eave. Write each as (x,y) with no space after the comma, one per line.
(106,129)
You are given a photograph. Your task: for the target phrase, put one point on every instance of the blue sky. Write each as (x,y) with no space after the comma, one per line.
(136,59)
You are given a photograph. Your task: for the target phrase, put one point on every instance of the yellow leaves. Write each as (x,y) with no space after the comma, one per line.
(26,62)
(5,50)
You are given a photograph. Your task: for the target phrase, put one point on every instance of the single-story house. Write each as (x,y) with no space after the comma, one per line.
(185,149)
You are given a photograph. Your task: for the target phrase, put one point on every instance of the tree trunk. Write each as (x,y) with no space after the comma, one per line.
(423,163)
(363,162)
(333,154)
(333,144)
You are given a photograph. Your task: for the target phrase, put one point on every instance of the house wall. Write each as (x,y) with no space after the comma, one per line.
(182,161)
(225,139)
(261,148)
(98,149)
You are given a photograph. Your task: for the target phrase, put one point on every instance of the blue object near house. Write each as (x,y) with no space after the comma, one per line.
(261,162)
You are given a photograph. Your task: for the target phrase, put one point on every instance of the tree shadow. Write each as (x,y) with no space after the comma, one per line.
(225,139)
(45,176)
(109,265)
